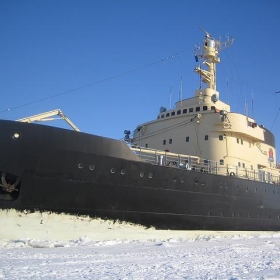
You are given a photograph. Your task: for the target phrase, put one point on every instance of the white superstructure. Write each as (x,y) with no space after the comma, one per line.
(204,127)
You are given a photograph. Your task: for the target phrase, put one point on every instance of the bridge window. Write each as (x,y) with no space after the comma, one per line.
(173,114)
(164,142)
(187,139)
(170,141)
(185,111)
(204,108)
(197,109)
(167,115)
(191,110)
(179,112)
(206,137)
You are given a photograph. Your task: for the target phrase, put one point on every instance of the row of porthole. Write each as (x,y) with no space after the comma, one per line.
(141,174)
(91,166)
(247,189)
(256,190)
(239,215)
(113,170)
(123,171)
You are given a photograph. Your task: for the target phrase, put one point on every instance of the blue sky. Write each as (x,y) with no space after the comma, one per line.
(108,65)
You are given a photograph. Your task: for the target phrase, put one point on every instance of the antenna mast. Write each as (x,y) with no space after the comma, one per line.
(209,55)
(253,105)
(170,98)
(181,91)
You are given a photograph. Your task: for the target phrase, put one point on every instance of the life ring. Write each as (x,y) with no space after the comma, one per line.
(231,174)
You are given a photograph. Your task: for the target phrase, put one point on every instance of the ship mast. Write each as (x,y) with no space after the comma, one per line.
(208,54)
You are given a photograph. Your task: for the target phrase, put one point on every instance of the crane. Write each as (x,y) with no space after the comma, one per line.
(47,117)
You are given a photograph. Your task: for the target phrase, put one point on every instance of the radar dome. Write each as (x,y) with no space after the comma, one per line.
(215,98)
(162,109)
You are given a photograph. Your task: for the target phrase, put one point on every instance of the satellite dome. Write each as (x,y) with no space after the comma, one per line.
(214,98)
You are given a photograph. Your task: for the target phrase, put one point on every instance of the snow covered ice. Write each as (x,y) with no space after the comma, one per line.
(48,246)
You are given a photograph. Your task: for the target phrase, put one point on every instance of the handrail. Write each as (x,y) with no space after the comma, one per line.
(198,164)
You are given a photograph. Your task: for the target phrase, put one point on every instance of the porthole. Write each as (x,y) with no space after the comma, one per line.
(174,179)
(141,174)
(92,167)
(202,182)
(150,175)
(113,170)
(16,135)
(80,165)
(196,181)
(123,171)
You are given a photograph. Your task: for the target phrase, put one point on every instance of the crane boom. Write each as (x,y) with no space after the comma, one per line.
(47,117)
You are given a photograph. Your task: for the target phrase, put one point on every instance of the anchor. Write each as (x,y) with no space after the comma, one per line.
(8,187)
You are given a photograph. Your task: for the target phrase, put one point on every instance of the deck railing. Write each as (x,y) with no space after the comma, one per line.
(198,164)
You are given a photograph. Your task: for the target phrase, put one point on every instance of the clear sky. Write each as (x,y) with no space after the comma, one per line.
(108,65)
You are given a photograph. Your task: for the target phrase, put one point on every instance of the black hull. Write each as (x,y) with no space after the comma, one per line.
(69,172)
